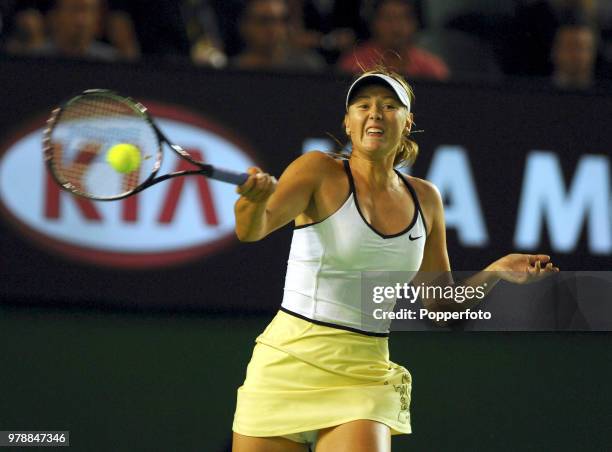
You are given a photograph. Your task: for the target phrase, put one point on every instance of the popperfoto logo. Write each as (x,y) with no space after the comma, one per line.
(175,221)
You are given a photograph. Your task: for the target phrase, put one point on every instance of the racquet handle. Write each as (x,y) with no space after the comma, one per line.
(228,176)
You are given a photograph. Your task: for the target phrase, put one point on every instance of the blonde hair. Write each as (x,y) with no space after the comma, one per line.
(408,150)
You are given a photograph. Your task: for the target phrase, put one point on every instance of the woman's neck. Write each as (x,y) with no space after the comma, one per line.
(378,173)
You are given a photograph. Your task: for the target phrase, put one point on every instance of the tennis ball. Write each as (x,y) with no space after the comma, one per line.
(123,157)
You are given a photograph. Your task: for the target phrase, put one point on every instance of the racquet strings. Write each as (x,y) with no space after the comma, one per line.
(86,128)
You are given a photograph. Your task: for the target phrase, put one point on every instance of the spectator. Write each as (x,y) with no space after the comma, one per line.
(264,28)
(74,27)
(28,32)
(393,28)
(574,54)
(536,25)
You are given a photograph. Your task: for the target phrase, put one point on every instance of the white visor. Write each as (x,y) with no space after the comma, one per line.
(396,86)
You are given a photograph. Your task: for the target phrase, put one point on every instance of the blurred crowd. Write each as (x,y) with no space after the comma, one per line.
(568,42)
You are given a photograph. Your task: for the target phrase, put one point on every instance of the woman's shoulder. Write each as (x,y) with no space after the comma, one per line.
(426,191)
(323,163)
(316,156)
(430,200)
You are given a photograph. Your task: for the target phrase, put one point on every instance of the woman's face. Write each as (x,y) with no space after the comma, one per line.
(376,120)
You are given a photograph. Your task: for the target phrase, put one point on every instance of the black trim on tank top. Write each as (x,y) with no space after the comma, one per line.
(302,226)
(384,236)
(414,197)
(349,174)
(333,325)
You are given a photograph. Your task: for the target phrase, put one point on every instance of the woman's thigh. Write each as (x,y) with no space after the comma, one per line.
(243,443)
(357,436)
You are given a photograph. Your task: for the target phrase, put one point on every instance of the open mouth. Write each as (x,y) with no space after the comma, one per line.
(374,132)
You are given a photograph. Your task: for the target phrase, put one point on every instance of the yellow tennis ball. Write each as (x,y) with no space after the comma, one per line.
(123,157)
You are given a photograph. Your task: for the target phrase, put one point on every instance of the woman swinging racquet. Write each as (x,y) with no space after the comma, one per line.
(317,378)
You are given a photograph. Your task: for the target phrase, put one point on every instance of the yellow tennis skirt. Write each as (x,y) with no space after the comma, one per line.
(303,376)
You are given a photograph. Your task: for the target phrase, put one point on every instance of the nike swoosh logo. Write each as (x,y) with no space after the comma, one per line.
(414,238)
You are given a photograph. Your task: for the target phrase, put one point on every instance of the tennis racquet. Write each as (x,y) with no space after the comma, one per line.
(82,130)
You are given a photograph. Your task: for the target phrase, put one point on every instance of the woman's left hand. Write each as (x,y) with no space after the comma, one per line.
(523,268)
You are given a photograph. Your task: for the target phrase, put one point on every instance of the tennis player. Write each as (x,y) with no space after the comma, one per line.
(318,378)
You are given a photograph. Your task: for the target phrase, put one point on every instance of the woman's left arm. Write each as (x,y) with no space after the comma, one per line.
(435,266)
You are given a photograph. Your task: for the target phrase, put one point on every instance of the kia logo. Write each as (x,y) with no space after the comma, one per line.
(172,222)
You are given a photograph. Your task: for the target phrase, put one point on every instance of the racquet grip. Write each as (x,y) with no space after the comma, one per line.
(228,176)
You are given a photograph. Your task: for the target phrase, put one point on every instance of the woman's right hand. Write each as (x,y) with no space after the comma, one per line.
(259,186)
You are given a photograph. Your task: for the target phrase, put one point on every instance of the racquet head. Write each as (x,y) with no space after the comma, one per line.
(80,134)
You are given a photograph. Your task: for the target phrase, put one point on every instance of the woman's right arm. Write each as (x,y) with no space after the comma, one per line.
(266,205)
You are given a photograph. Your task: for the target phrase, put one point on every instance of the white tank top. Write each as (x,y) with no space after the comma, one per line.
(323,282)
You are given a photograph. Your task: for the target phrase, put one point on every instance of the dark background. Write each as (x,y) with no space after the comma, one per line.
(150,359)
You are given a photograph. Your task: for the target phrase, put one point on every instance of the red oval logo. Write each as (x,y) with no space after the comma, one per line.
(172,222)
